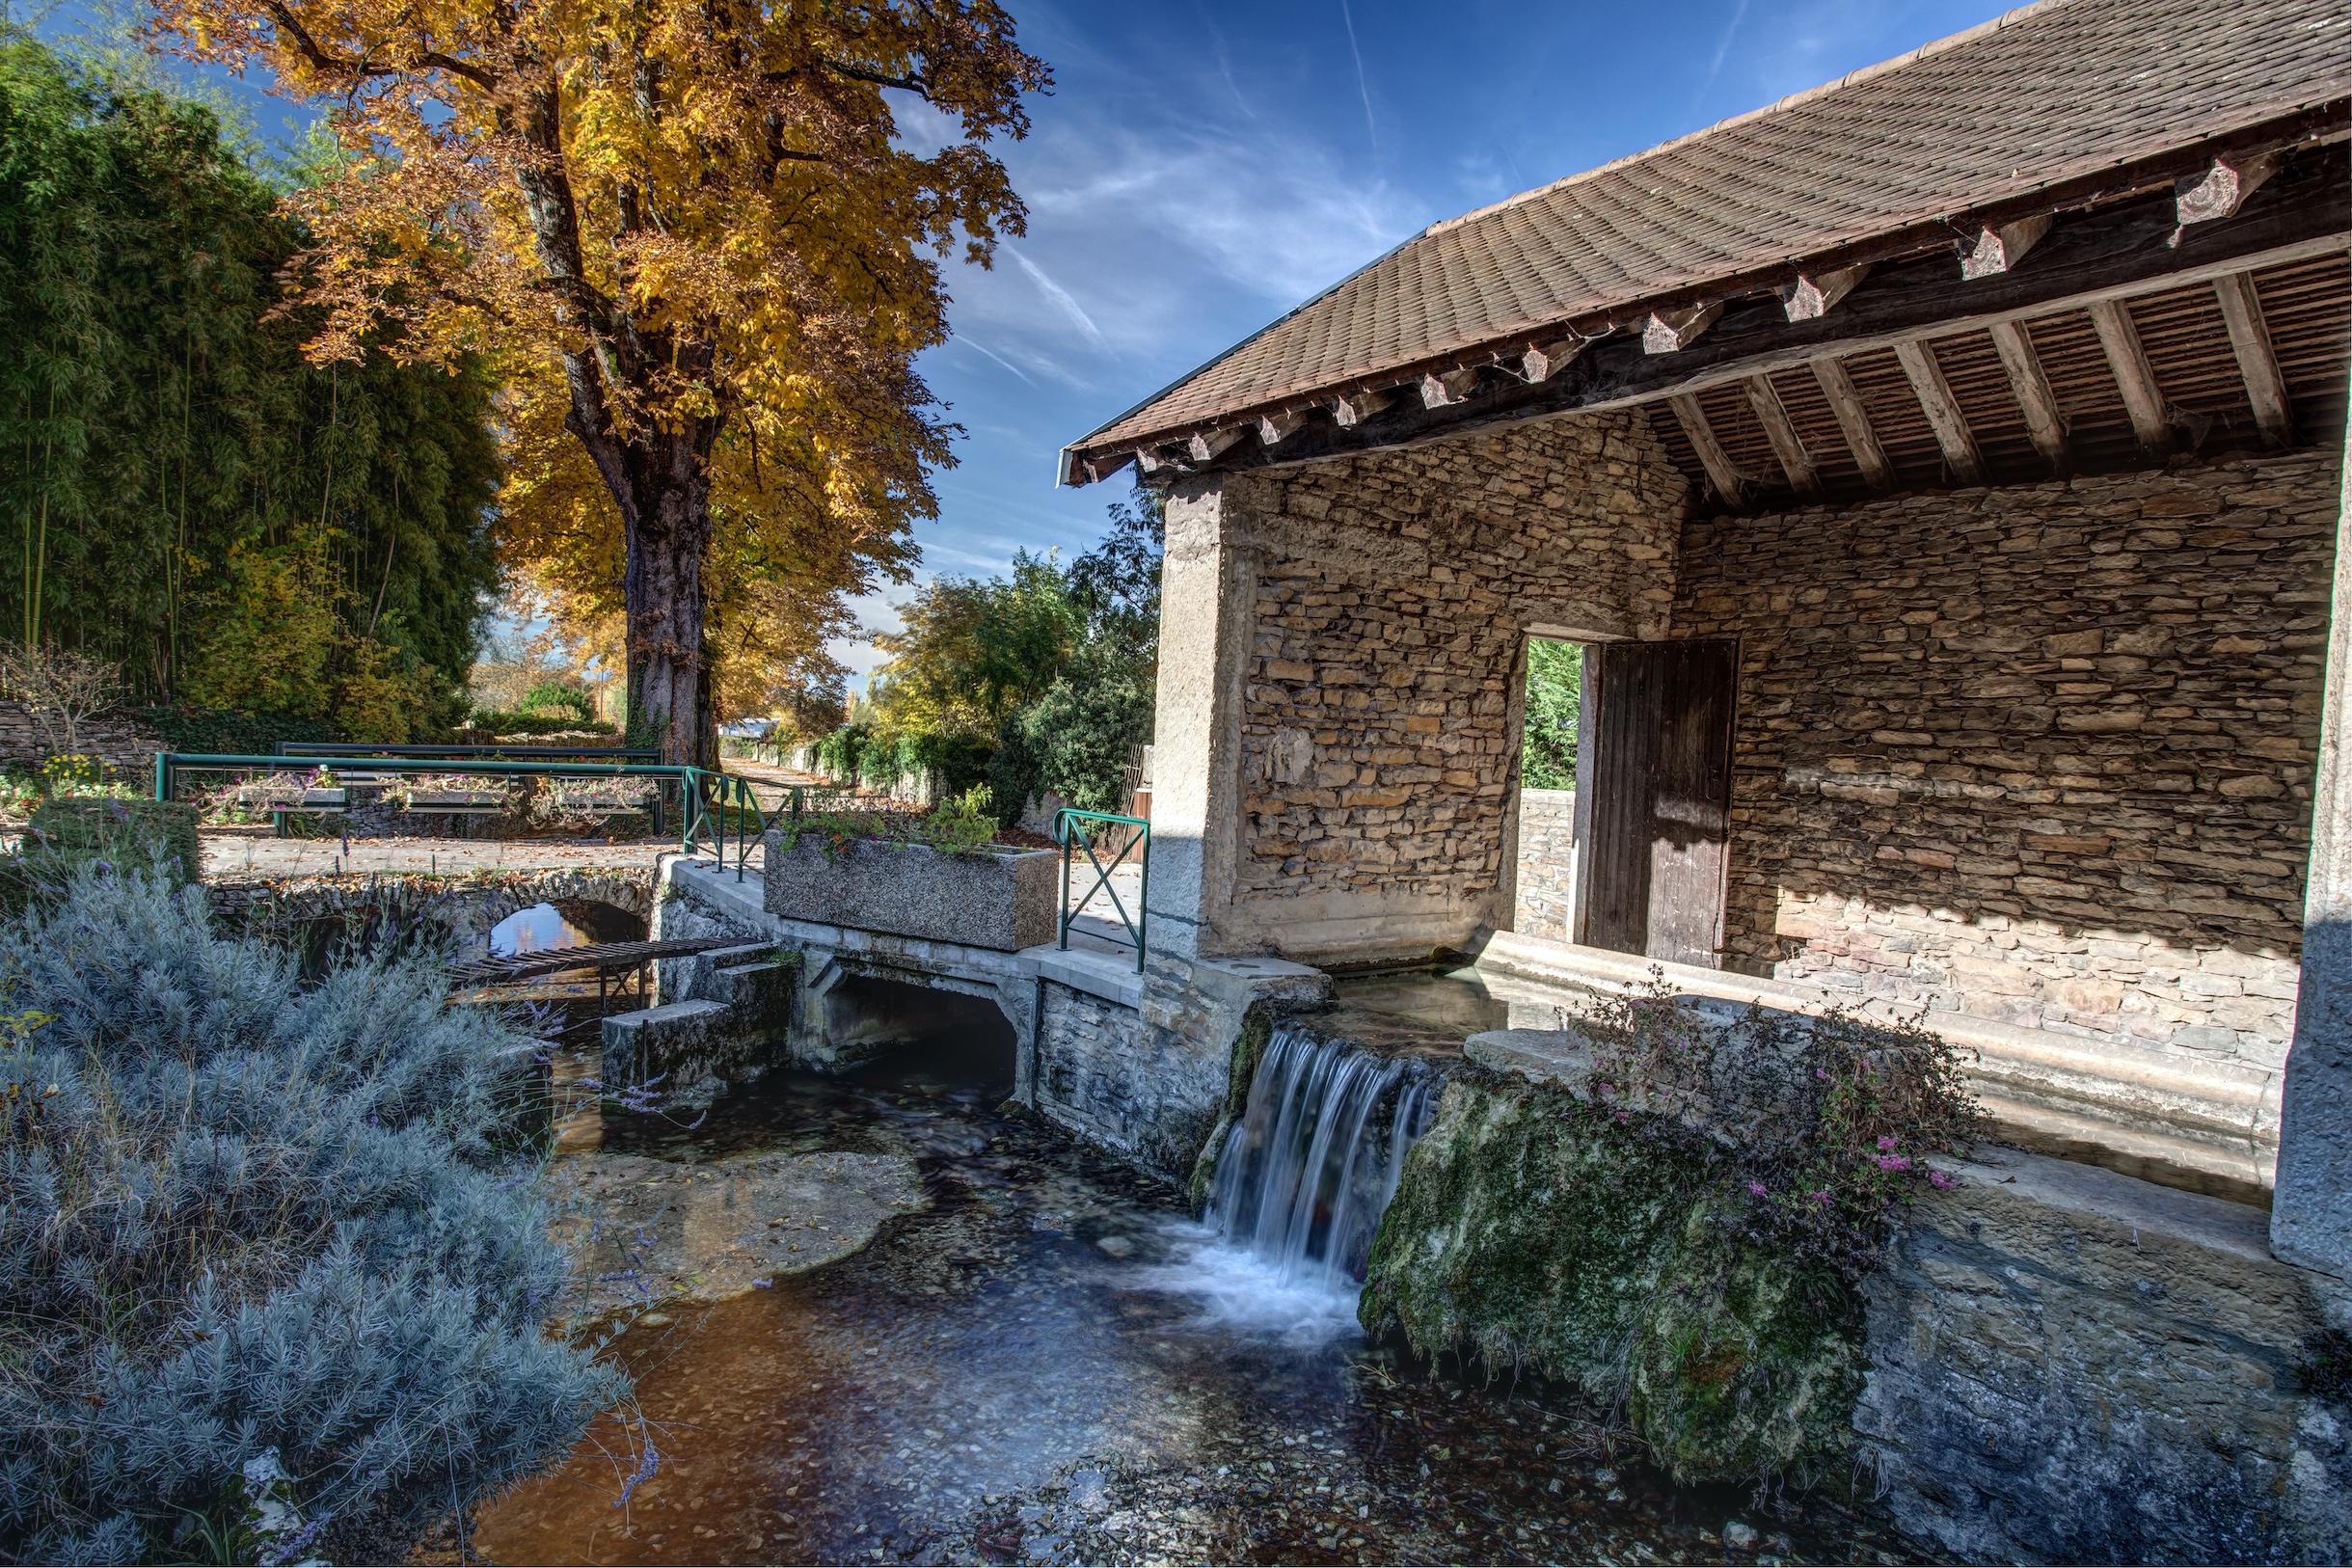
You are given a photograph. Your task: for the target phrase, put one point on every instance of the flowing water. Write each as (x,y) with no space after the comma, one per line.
(1053,1364)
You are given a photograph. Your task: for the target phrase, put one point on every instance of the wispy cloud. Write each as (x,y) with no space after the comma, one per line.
(1061,299)
(972,342)
(1722,49)
(1364,89)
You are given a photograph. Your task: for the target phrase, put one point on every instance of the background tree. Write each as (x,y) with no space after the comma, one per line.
(690,231)
(1556,673)
(187,497)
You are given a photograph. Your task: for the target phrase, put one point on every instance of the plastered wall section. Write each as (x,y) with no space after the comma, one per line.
(1388,598)
(2040,754)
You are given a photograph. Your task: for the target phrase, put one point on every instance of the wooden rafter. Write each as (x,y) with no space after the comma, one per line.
(1711,453)
(1669,332)
(1273,429)
(1997,250)
(1205,444)
(1854,420)
(2044,425)
(2256,360)
(1794,461)
(2143,399)
(1813,296)
(1943,411)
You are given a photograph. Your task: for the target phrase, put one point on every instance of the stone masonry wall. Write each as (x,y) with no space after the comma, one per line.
(1131,1085)
(1393,595)
(2040,754)
(124,746)
(1547,863)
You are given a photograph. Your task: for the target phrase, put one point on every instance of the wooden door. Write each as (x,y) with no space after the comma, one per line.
(1662,798)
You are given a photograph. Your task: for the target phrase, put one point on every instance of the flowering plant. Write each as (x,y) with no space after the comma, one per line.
(579,801)
(1821,1126)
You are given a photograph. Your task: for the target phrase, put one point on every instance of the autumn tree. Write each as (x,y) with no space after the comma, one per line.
(691,227)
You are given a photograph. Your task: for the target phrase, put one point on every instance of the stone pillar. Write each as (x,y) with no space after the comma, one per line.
(2311,1224)
(1195,745)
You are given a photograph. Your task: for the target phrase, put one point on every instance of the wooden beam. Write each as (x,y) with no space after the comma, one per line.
(1710,450)
(2249,339)
(1667,331)
(1205,444)
(1273,429)
(2222,189)
(1439,391)
(2044,425)
(1811,296)
(1544,361)
(1774,415)
(1356,407)
(1997,250)
(1149,461)
(1854,420)
(1943,411)
(2143,399)
(1099,469)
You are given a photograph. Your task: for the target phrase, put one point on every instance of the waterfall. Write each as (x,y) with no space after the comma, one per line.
(1315,1157)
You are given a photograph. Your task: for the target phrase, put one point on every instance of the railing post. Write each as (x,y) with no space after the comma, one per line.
(163,775)
(1143,898)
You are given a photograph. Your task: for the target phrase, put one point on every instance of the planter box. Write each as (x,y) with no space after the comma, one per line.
(1002,899)
(457,800)
(294,801)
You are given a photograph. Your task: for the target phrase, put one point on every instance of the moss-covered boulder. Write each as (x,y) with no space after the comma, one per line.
(1534,1230)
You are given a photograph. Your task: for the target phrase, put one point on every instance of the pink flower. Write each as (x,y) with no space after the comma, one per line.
(1756,1188)
(1894,1162)
(1886,1143)
(1822,1073)
(1939,1179)
(1822,1194)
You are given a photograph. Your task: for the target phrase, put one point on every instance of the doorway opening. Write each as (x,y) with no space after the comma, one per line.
(1632,851)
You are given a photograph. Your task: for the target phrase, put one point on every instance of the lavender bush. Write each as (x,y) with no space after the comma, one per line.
(250,1228)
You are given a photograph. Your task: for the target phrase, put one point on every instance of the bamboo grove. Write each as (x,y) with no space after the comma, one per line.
(183,493)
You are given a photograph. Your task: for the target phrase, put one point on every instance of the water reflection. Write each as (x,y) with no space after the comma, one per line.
(1053,1364)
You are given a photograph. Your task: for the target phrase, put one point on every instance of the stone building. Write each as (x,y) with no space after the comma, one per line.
(1944,470)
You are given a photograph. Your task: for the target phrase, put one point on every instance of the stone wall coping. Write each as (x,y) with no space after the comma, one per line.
(1555,797)
(1110,976)
(2153,1212)
(2227,1107)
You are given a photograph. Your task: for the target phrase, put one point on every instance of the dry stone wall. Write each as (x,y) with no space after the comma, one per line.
(123,746)
(2040,754)
(1547,863)
(1389,598)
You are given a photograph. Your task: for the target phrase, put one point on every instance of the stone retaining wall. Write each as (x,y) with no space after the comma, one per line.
(1546,864)
(123,746)
(2042,755)
(1125,1083)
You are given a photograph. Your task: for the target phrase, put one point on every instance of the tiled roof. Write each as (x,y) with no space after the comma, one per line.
(2046,95)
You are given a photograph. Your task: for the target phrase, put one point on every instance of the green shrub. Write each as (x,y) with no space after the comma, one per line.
(559,721)
(261,1240)
(1012,772)
(69,833)
(1082,732)
(553,698)
(1555,700)
(220,734)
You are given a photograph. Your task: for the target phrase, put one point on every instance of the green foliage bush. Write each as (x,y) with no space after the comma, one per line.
(532,721)
(1082,730)
(223,734)
(1547,761)
(242,1215)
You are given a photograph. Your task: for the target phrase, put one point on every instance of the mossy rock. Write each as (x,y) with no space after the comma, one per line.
(1532,1231)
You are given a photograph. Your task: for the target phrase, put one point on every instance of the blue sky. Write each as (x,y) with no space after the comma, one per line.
(1203,165)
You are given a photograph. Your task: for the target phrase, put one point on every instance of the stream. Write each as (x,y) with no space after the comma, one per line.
(1053,1364)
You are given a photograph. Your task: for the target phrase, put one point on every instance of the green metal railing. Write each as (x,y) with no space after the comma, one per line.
(717,806)
(1072,831)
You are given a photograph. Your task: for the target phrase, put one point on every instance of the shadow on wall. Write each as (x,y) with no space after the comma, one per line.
(865,1016)
(2037,967)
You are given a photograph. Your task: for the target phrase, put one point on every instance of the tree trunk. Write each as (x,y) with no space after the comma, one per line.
(668,537)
